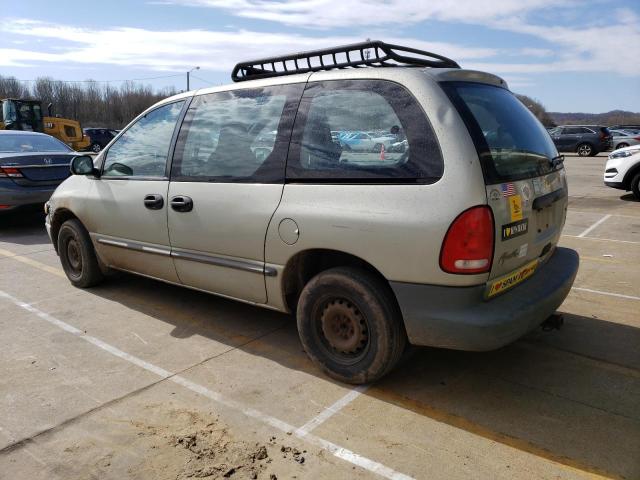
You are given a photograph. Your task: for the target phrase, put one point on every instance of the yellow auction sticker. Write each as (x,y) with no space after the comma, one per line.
(510,280)
(515,207)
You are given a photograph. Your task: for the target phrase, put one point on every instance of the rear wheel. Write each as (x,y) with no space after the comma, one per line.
(96,147)
(350,325)
(635,186)
(77,256)
(585,150)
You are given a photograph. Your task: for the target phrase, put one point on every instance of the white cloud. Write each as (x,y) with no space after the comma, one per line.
(605,47)
(390,13)
(175,50)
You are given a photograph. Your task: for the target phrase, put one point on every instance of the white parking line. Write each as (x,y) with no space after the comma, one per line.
(595,225)
(336,450)
(330,411)
(610,294)
(601,239)
(613,214)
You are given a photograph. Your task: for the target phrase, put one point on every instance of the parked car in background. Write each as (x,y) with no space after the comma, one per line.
(99,137)
(585,140)
(622,170)
(624,138)
(625,127)
(32,165)
(452,243)
(366,141)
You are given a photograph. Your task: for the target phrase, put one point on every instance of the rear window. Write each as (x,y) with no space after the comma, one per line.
(511,143)
(30,143)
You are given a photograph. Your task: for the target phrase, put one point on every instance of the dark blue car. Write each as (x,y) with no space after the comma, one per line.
(32,165)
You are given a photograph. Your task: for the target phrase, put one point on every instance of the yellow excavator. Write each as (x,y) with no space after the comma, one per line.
(20,114)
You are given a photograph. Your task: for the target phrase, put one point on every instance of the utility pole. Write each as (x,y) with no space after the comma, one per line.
(194,68)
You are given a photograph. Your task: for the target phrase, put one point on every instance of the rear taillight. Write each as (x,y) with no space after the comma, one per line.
(10,172)
(468,245)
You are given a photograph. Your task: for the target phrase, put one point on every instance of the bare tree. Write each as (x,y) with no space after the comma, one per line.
(92,104)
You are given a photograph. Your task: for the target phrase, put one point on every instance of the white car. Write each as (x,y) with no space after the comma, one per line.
(623,170)
(363,141)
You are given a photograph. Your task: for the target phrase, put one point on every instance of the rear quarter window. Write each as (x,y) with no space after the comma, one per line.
(362,131)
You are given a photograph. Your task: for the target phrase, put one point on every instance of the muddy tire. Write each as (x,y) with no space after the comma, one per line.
(350,325)
(77,255)
(635,185)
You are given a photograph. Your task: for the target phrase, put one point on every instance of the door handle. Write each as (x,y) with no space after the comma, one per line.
(182,203)
(153,201)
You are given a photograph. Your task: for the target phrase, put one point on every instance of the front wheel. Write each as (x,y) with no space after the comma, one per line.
(96,147)
(77,256)
(621,145)
(585,150)
(350,325)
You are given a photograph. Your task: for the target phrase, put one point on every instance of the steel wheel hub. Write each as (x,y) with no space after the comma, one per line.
(74,256)
(343,327)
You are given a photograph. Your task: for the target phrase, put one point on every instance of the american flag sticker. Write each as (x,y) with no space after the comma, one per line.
(508,189)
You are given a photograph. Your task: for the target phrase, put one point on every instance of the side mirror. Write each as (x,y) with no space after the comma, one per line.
(83,165)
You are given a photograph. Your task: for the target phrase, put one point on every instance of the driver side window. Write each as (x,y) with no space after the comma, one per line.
(143,149)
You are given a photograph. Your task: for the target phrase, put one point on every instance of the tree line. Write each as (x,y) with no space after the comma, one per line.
(91,103)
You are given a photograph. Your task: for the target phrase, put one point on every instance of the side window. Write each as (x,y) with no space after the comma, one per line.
(571,131)
(586,130)
(143,149)
(362,130)
(237,136)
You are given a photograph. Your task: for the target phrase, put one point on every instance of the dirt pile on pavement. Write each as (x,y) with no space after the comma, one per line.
(194,445)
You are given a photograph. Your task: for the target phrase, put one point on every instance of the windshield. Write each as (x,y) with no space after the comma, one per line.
(511,142)
(19,143)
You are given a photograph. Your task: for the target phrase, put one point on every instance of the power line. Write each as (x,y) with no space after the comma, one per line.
(110,81)
(202,79)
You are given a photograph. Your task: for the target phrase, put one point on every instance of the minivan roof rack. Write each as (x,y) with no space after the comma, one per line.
(366,54)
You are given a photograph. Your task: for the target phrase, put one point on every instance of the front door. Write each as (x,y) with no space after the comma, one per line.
(226,182)
(128,203)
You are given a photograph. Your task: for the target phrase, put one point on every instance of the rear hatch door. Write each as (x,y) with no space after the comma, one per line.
(524,177)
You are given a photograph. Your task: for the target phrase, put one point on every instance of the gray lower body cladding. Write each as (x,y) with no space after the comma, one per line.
(618,185)
(459,318)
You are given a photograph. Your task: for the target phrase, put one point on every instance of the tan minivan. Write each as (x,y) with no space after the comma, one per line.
(407,201)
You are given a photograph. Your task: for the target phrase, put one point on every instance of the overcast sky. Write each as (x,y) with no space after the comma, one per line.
(575,55)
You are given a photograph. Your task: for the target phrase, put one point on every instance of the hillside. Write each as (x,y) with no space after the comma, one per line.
(613,117)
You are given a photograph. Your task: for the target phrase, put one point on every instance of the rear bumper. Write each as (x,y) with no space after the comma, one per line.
(18,196)
(459,317)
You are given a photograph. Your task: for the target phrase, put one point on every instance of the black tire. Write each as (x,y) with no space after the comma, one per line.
(377,148)
(77,256)
(350,325)
(621,145)
(635,185)
(96,147)
(585,150)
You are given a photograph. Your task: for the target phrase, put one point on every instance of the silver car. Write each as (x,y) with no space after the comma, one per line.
(625,138)
(449,242)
